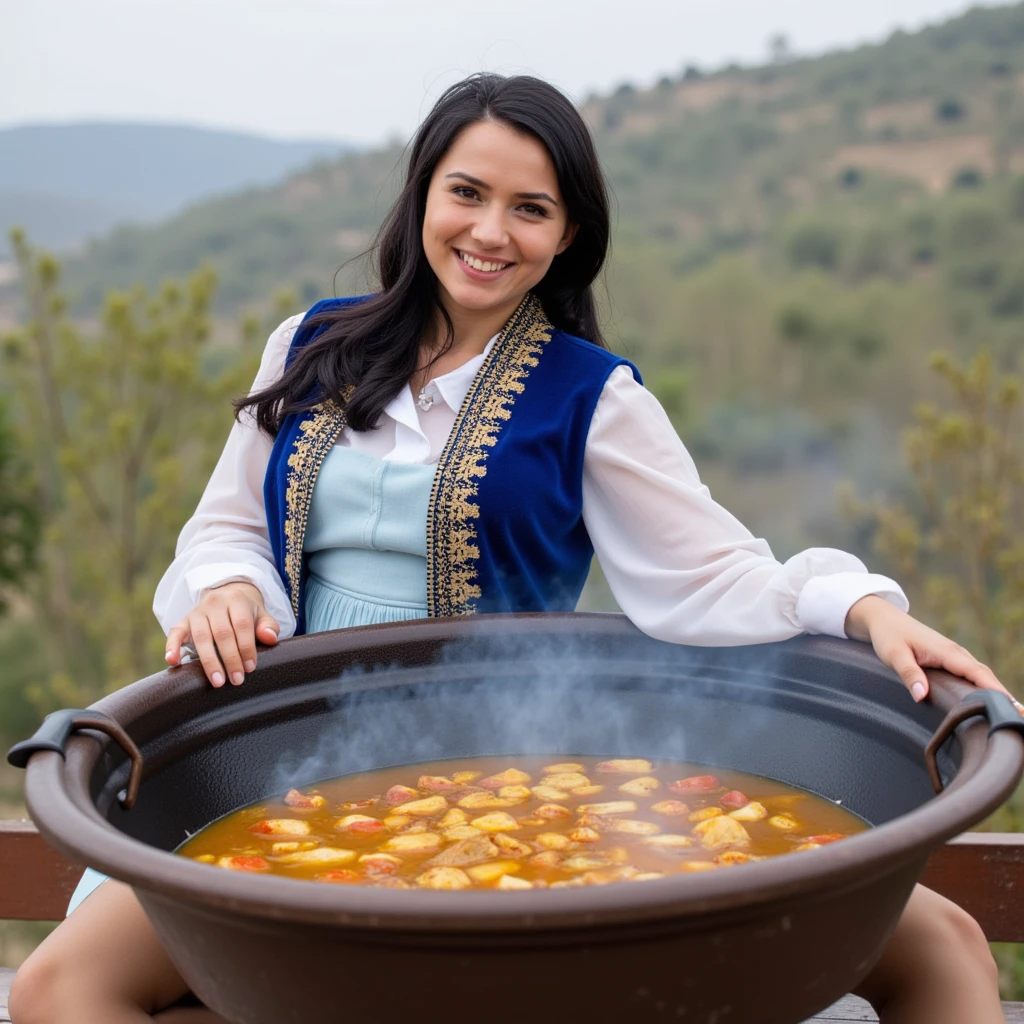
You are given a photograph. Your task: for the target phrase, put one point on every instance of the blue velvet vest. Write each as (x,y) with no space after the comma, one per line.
(505,529)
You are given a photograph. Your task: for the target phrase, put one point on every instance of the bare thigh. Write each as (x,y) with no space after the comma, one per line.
(105,960)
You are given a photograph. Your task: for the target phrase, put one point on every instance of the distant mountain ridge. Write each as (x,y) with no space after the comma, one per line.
(66,183)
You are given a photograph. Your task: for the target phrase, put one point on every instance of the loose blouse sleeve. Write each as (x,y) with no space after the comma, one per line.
(227,540)
(683,568)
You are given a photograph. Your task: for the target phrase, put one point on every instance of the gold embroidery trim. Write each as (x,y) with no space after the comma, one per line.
(317,434)
(452,551)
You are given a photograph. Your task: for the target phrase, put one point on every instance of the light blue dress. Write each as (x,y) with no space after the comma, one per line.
(366,550)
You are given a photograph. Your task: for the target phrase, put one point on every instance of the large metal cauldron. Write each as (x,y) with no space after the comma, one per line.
(768,942)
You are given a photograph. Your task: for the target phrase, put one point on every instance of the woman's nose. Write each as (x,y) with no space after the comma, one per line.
(489,229)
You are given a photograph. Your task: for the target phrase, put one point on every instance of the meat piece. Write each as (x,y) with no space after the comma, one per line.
(557,769)
(565,780)
(695,784)
(465,778)
(721,832)
(625,766)
(361,824)
(670,808)
(437,784)
(517,794)
(549,793)
(553,841)
(457,832)
(294,846)
(498,821)
(482,800)
(753,811)
(426,808)
(582,834)
(400,795)
(511,882)
(281,827)
(734,799)
(467,851)
(324,855)
(244,863)
(628,827)
(612,807)
(493,870)
(341,876)
(587,790)
(510,845)
(444,878)
(509,777)
(552,812)
(421,842)
(644,786)
(783,822)
(380,863)
(705,813)
(293,798)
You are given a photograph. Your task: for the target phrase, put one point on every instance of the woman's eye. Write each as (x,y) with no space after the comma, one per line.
(464,192)
(534,210)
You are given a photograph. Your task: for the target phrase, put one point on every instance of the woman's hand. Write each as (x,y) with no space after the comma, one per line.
(224,628)
(909,647)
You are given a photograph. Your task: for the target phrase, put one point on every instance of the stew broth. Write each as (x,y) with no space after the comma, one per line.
(521,823)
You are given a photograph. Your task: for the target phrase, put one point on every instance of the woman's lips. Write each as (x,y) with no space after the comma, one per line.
(497,267)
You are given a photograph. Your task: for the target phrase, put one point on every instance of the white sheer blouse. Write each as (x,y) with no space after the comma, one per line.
(681,567)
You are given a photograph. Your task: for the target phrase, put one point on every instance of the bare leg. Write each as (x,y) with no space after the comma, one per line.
(103,965)
(936,968)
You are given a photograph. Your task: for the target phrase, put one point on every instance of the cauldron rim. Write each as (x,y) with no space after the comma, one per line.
(58,796)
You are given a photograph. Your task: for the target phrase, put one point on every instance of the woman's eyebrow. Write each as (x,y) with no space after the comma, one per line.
(483,184)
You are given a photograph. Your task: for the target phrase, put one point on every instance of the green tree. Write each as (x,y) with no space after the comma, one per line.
(19,513)
(120,427)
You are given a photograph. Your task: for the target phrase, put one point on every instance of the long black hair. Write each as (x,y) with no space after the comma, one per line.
(373,346)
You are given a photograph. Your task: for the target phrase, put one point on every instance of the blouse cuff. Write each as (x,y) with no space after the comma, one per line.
(825,601)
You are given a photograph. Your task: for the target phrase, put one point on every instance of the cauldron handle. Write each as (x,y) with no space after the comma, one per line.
(59,725)
(995,706)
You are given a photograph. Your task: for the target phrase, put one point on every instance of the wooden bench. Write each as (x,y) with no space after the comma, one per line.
(982,872)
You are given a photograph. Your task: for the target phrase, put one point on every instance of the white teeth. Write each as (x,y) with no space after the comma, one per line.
(476,264)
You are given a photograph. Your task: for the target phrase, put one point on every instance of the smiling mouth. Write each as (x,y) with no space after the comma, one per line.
(486,266)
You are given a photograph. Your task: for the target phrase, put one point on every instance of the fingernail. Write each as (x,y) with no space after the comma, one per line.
(918,691)
(168,655)
(237,678)
(250,665)
(217,679)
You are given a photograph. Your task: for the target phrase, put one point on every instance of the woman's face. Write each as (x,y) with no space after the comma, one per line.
(494,219)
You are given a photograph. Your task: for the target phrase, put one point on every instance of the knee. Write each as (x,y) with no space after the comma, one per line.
(35,996)
(963,935)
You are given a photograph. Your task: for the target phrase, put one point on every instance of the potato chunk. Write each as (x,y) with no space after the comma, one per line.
(551,812)
(243,863)
(208,858)
(444,878)
(547,859)
(420,842)
(510,845)
(293,846)
(670,808)
(721,832)
(493,870)
(705,813)
(380,863)
(553,841)
(425,808)
(783,822)
(465,778)
(752,811)
(396,822)
(511,882)
(565,780)
(361,824)
(457,832)
(517,794)
(281,827)
(612,807)
(466,851)
(550,793)
(323,855)
(498,821)
(668,842)
(731,857)
(437,784)
(625,766)
(556,769)
(293,798)
(509,777)
(583,834)
(400,795)
(480,801)
(643,786)
(453,816)
(628,827)
(587,790)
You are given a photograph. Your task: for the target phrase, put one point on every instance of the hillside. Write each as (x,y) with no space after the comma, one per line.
(66,183)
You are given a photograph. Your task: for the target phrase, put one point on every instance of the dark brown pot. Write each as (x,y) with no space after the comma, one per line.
(764,943)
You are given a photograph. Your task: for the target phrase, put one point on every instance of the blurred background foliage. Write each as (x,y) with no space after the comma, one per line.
(812,260)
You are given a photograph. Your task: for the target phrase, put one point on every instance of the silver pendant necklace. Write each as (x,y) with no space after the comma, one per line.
(425,401)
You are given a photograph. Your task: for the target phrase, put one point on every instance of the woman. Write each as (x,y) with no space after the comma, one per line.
(460,396)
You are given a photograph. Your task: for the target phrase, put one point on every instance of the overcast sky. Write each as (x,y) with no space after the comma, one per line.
(368,71)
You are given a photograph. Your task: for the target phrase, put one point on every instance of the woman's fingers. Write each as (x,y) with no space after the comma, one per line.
(267,629)
(176,636)
(961,662)
(242,614)
(902,660)
(206,648)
